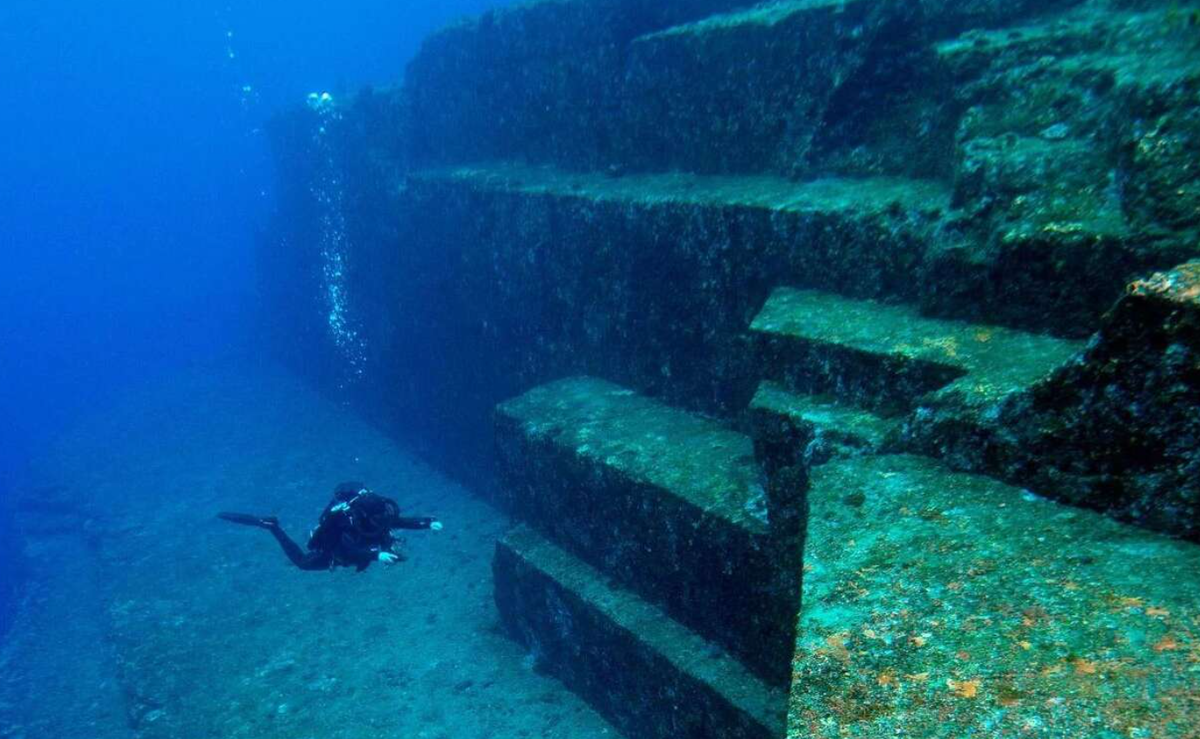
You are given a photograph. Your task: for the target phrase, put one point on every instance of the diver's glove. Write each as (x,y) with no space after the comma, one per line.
(389,559)
(435,525)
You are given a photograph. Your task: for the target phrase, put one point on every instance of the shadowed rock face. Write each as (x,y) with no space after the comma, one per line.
(1119,429)
(669,505)
(638,667)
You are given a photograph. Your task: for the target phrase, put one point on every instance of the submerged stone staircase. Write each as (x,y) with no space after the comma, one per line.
(853,370)
(668,597)
(952,193)
(671,567)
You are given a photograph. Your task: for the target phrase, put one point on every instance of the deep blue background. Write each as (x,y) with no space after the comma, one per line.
(133,176)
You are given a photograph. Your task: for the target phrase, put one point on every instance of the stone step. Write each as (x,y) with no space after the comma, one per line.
(609,240)
(796,69)
(670,505)
(1144,48)
(946,604)
(836,428)
(1076,31)
(856,236)
(533,79)
(887,356)
(833,195)
(646,673)
(783,62)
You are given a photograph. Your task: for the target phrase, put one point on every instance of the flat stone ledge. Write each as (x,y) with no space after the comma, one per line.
(645,672)
(670,505)
(946,604)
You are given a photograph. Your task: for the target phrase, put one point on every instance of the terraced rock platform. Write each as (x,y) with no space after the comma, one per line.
(889,355)
(837,427)
(648,674)
(939,604)
(836,195)
(670,505)
(954,194)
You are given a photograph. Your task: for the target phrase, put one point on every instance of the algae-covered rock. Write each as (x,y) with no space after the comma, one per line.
(1162,181)
(1117,429)
(669,505)
(939,604)
(649,675)
(536,79)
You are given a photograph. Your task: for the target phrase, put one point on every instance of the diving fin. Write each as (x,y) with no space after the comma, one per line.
(245,519)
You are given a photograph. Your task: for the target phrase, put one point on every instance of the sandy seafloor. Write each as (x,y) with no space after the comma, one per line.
(146,617)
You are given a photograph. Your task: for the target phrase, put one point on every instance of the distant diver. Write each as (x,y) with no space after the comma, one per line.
(355,530)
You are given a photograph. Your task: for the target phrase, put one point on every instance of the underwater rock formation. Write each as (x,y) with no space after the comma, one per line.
(1119,429)
(844,232)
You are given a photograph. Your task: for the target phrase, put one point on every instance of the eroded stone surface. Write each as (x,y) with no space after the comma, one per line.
(649,675)
(901,354)
(837,427)
(943,605)
(1116,430)
(668,504)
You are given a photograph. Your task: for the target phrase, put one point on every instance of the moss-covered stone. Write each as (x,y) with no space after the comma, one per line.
(1069,164)
(668,504)
(650,676)
(1115,430)
(946,605)
(889,355)
(836,428)
(850,197)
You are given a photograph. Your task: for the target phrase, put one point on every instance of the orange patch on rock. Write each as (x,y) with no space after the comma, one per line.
(964,688)
(1084,667)
(1166,644)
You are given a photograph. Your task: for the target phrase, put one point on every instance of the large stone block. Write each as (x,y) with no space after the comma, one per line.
(889,356)
(1116,430)
(650,676)
(670,505)
(948,605)
(538,80)
(746,91)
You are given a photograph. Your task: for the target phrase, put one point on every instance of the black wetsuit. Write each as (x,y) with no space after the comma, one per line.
(354,529)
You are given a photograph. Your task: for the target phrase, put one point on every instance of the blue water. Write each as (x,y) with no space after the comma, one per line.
(136,176)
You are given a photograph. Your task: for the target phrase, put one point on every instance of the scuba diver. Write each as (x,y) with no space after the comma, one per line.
(355,530)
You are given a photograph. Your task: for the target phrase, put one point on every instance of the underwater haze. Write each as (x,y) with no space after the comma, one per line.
(137,179)
(598,369)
